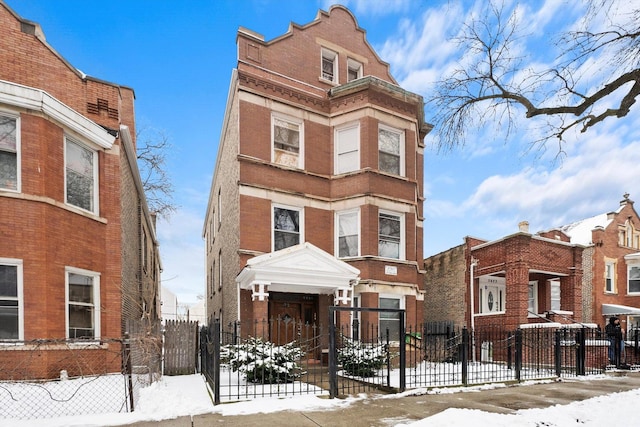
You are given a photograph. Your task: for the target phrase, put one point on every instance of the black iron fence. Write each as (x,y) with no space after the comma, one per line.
(284,357)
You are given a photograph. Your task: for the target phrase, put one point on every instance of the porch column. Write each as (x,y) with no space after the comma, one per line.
(342,298)
(260,309)
(517,281)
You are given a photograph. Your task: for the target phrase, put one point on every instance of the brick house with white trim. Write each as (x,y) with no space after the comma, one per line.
(317,191)
(78,249)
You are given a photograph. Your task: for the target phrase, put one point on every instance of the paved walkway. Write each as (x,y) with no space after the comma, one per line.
(391,411)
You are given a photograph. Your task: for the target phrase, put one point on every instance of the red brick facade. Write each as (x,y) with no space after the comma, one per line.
(42,235)
(283,80)
(509,269)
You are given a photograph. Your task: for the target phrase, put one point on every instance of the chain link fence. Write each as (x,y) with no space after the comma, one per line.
(54,378)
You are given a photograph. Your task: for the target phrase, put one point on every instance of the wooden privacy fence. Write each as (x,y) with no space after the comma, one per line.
(180,347)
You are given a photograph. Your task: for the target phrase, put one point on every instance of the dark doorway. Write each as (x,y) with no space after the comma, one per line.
(288,313)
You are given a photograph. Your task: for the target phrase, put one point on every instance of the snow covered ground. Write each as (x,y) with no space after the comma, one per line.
(188,395)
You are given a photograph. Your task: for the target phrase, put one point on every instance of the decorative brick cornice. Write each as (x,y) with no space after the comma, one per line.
(283,92)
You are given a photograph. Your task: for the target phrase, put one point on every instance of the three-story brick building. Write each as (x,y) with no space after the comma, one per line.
(317,191)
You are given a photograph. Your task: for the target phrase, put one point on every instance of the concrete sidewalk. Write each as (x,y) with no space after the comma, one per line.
(391,410)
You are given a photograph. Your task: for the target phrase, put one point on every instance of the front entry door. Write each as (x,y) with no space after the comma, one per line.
(292,316)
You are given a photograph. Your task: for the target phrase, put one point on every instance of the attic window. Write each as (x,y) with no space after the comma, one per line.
(354,70)
(329,65)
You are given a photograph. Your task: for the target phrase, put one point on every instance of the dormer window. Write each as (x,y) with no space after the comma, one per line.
(329,65)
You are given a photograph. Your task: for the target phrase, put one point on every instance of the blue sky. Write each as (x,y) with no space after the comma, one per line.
(178,57)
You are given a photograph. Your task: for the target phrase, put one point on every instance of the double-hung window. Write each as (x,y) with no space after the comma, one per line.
(348,228)
(347,140)
(287,138)
(556,295)
(329,65)
(9,149)
(633,275)
(533,297)
(83,304)
(286,227)
(390,235)
(390,321)
(610,273)
(81,177)
(390,150)
(11,307)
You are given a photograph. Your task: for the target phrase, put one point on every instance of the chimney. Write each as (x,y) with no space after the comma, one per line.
(523,226)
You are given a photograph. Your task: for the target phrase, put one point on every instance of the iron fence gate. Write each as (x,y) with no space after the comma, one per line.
(354,355)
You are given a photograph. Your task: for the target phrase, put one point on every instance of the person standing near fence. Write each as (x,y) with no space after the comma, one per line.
(616,343)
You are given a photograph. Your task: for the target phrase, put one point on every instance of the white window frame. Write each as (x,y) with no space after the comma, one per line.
(12,262)
(293,121)
(18,188)
(401,305)
(630,267)
(403,239)
(353,65)
(300,224)
(555,286)
(533,306)
(95,196)
(341,133)
(401,148)
(339,216)
(610,277)
(96,300)
(494,282)
(330,56)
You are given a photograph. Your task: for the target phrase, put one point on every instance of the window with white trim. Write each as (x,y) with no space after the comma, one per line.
(533,297)
(329,65)
(286,227)
(11,302)
(391,235)
(390,320)
(390,150)
(83,304)
(9,152)
(287,138)
(354,69)
(348,230)
(609,274)
(347,140)
(81,176)
(633,279)
(555,295)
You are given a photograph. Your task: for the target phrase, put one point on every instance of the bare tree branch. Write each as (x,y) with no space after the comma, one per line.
(490,83)
(152,149)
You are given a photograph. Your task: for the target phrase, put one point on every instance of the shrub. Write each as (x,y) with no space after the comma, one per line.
(264,362)
(361,359)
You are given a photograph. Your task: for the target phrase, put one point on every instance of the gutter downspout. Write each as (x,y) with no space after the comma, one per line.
(474,263)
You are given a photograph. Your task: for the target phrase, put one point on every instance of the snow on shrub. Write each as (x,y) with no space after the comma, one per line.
(361,359)
(264,362)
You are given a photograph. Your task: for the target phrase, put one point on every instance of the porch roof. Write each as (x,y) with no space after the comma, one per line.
(616,309)
(302,268)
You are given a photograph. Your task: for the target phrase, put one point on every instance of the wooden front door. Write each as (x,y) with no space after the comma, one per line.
(291,316)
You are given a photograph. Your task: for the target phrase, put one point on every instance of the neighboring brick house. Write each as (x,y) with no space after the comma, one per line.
(316,196)
(611,263)
(78,251)
(517,280)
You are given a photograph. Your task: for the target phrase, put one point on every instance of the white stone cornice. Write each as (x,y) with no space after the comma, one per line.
(38,100)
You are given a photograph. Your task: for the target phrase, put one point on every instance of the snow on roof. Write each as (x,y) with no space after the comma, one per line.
(580,232)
